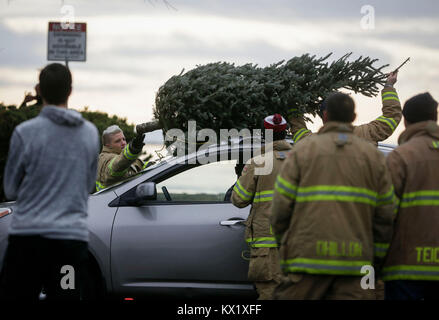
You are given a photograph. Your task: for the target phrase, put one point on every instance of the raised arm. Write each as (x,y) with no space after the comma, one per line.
(383,127)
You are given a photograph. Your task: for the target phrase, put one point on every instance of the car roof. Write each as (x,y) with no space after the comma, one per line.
(169,161)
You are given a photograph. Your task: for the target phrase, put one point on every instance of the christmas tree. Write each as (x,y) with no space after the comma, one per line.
(224,96)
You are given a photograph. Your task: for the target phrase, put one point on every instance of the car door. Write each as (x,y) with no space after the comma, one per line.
(187,239)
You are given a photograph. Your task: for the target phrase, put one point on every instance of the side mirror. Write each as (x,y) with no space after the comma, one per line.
(146,191)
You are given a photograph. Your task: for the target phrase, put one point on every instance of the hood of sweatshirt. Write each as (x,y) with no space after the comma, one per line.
(62,116)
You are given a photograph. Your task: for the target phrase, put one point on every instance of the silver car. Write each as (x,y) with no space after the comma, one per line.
(169,231)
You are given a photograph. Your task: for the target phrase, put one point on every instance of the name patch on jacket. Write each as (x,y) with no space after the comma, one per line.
(427,254)
(339,249)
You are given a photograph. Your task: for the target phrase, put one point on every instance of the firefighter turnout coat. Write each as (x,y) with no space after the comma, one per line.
(414,250)
(257,190)
(333,204)
(377,130)
(114,166)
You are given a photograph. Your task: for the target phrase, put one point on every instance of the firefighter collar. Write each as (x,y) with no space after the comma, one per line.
(278,145)
(418,129)
(109,150)
(336,126)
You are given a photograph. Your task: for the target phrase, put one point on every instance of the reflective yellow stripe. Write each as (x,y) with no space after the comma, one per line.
(391,98)
(240,190)
(99,186)
(389,121)
(263,196)
(127,153)
(317,266)
(115,173)
(262,242)
(293,110)
(387,198)
(411,272)
(299,134)
(284,187)
(420,198)
(336,193)
(380,249)
(389,95)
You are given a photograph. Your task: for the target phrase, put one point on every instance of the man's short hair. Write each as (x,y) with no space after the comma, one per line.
(106,135)
(55,83)
(421,107)
(340,107)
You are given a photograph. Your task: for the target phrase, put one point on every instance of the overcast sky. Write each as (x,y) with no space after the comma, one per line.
(134,46)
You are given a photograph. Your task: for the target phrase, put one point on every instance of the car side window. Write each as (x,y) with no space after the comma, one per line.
(208,183)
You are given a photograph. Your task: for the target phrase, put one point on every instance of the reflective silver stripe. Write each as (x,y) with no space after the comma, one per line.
(244,194)
(390,122)
(320,267)
(263,196)
(128,154)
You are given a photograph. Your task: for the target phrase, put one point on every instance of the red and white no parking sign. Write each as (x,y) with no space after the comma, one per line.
(67,41)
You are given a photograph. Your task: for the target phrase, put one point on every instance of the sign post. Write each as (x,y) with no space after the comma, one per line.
(67,42)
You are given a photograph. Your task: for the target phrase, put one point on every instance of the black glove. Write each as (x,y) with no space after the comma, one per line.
(137,144)
(238,169)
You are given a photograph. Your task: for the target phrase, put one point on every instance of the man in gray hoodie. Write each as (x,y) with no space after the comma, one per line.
(50,171)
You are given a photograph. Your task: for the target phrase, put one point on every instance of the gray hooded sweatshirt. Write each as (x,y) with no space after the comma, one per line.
(50,171)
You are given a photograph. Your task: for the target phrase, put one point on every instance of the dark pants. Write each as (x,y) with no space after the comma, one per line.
(33,262)
(411,290)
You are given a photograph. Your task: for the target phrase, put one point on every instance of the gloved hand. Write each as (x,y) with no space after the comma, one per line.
(137,143)
(238,169)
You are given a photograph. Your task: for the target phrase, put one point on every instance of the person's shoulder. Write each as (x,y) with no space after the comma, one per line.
(90,129)
(90,126)
(308,146)
(414,147)
(306,141)
(363,143)
(30,125)
(105,157)
(253,162)
(367,150)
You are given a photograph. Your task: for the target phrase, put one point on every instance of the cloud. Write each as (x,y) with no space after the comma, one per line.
(21,49)
(286,11)
(134,47)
